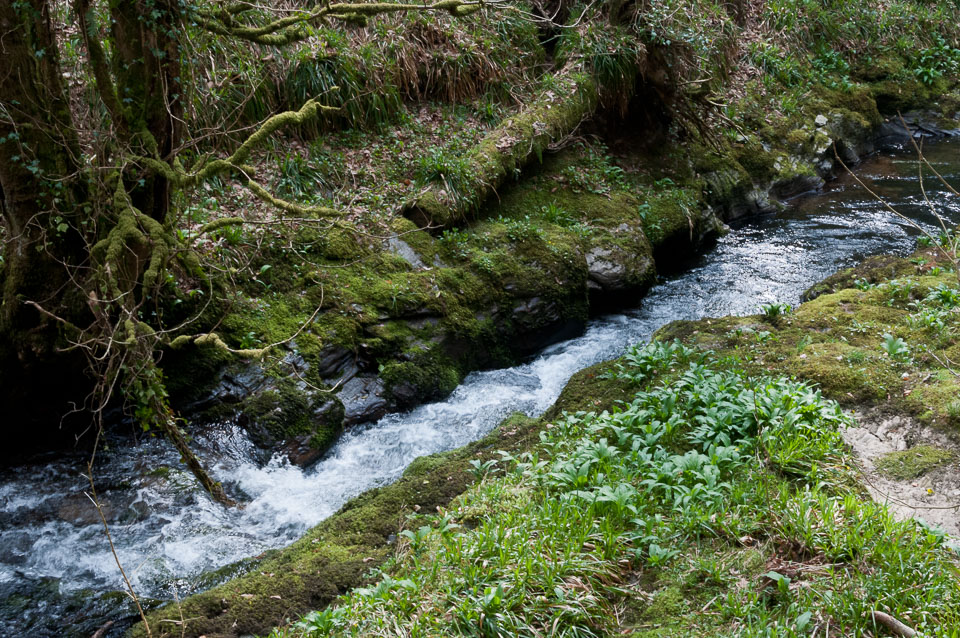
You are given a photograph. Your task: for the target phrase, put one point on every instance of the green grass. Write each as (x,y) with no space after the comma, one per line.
(711,503)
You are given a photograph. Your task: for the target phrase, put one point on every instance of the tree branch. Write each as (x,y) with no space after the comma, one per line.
(293,28)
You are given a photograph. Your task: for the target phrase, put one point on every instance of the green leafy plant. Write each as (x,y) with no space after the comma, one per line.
(520,230)
(895,348)
(772,312)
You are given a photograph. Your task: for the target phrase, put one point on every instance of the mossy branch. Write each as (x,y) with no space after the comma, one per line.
(217,224)
(290,207)
(282,31)
(213,339)
(205,169)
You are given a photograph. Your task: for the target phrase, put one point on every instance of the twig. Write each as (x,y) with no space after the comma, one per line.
(924,159)
(100,633)
(951,257)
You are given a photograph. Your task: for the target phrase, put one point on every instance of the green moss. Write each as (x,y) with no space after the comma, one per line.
(756,160)
(668,603)
(592,389)
(871,270)
(277,414)
(914,462)
(285,411)
(854,100)
(903,93)
(428,376)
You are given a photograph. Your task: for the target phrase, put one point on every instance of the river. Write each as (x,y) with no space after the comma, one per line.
(57,569)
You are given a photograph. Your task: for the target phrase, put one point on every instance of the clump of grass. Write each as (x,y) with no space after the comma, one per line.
(916,461)
(772,312)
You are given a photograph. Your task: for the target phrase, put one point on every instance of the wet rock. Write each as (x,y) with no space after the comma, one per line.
(301,452)
(15,548)
(790,187)
(332,361)
(606,271)
(535,311)
(405,393)
(752,203)
(39,608)
(893,135)
(285,411)
(78,510)
(619,276)
(236,383)
(536,323)
(306,449)
(363,399)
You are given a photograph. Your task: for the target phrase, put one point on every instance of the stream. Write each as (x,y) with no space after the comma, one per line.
(57,573)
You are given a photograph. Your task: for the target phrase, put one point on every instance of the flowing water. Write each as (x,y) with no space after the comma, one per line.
(56,566)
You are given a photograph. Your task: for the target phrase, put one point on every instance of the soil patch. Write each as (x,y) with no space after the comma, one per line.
(911,467)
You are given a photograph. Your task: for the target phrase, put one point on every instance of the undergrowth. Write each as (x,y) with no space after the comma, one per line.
(711,503)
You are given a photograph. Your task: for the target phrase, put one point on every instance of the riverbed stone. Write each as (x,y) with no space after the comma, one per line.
(332,361)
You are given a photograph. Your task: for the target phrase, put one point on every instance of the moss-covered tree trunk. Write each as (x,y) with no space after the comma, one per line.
(40,187)
(568,98)
(146,64)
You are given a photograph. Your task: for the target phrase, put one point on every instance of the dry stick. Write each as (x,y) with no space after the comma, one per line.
(952,258)
(893,625)
(100,633)
(106,529)
(945,364)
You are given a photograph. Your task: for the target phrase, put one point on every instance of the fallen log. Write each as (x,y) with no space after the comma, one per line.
(568,97)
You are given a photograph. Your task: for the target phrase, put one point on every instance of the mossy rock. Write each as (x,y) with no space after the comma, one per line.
(913,463)
(428,376)
(285,412)
(872,270)
(192,371)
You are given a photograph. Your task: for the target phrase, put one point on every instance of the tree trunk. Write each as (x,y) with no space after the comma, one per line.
(40,185)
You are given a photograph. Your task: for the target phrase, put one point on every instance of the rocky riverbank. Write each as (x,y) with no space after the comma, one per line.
(574,237)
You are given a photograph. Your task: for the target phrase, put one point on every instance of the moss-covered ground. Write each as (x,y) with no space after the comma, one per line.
(882,334)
